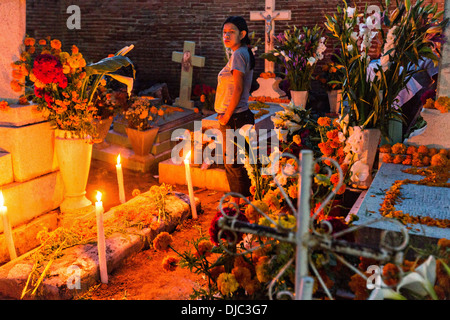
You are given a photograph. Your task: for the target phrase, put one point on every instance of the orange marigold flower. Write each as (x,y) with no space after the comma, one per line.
(385,148)
(29,41)
(334,179)
(216,271)
(293,191)
(55,44)
(23,100)
(16,86)
(439,160)
(4,106)
(170,263)
(297,139)
(74,49)
(42,42)
(422,149)
(411,150)
(162,241)
(390,274)
(252,286)
(333,134)
(324,121)
(399,148)
(432,151)
(325,148)
(398,159)
(204,248)
(387,158)
(242,275)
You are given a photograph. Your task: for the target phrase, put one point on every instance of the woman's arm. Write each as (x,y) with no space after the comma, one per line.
(238,77)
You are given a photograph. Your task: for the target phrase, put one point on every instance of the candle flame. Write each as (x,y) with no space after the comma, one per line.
(188,156)
(2,201)
(118,159)
(99,196)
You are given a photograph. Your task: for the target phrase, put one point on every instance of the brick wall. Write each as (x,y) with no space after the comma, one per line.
(157,28)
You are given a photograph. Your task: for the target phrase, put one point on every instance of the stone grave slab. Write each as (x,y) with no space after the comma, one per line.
(162,147)
(6,169)
(119,246)
(417,200)
(213,178)
(264,122)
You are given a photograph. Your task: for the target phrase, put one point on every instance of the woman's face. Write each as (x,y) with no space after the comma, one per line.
(231,36)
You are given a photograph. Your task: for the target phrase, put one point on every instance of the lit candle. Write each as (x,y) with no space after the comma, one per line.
(101,239)
(189,183)
(7,229)
(120,180)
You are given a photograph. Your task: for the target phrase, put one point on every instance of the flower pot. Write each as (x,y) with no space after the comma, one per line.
(74,158)
(142,141)
(335,98)
(299,98)
(103,126)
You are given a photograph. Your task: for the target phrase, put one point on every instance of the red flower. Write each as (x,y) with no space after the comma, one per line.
(48,69)
(226,235)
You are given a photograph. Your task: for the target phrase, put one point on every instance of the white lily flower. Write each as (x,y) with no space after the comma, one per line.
(422,280)
(351,12)
(360,171)
(385,293)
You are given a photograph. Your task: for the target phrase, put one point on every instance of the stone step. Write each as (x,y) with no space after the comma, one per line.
(84,258)
(29,199)
(212,179)
(6,168)
(32,149)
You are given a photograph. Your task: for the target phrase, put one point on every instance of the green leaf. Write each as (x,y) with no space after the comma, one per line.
(108,65)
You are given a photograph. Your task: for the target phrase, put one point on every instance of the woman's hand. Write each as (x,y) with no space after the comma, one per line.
(223,119)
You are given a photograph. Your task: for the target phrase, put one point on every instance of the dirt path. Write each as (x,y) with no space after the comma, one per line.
(141,277)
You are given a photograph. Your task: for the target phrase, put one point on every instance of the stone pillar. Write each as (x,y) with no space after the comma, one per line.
(443,85)
(13,28)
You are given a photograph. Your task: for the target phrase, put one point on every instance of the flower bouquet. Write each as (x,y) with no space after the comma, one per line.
(298,50)
(63,85)
(142,114)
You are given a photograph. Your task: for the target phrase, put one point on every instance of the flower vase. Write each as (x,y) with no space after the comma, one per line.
(74,157)
(103,126)
(370,139)
(335,98)
(142,141)
(299,98)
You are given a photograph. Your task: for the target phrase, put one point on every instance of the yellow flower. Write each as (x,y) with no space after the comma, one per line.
(227,284)
(261,270)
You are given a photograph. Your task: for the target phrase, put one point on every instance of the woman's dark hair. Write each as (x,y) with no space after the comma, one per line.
(241,24)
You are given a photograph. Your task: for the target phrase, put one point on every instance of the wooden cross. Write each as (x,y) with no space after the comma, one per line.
(269,16)
(188,60)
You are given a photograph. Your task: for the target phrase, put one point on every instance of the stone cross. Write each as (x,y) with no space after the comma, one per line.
(269,16)
(188,60)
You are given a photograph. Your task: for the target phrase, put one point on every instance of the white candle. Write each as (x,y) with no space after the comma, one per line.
(7,229)
(101,239)
(120,180)
(189,183)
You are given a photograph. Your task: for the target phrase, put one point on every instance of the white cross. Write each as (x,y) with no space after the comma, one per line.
(269,16)
(188,60)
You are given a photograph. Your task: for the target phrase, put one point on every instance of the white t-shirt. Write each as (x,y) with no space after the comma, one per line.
(239,60)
